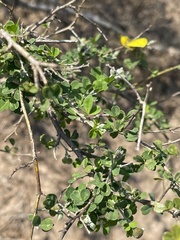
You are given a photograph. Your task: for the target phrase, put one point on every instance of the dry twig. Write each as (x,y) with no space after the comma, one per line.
(34,158)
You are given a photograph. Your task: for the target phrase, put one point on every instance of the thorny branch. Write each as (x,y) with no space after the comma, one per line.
(25,165)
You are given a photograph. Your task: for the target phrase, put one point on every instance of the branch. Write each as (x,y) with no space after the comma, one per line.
(143,116)
(62,135)
(120,74)
(88,15)
(25,165)
(177,67)
(171,142)
(16,127)
(53,12)
(73,219)
(34,160)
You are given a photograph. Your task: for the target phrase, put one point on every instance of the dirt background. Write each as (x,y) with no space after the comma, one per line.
(17,195)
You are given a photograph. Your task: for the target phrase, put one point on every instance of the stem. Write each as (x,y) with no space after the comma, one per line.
(143,116)
(164,71)
(35,160)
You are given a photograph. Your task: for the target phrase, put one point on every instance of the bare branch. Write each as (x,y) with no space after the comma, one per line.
(15,129)
(25,165)
(149,88)
(53,12)
(171,142)
(34,160)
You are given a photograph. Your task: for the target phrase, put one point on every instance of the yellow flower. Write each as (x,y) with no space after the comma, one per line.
(134,43)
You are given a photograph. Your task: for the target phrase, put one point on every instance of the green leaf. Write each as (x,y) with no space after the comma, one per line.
(29,87)
(11,27)
(7,149)
(92,207)
(98,199)
(169,204)
(88,169)
(158,144)
(93,133)
(51,91)
(95,110)
(76,176)
(106,230)
(67,160)
(88,103)
(76,197)
(86,82)
(152,197)
(47,224)
(96,72)
(146,209)
(16,95)
(55,51)
(36,220)
(100,85)
(127,213)
(176,203)
(48,142)
(85,194)
(44,105)
(151,164)
(13,105)
(132,135)
(159,207)
(129,64)
(12,141)
(133,224)
(168,175)
(69,192)
(30,217)
(173,150)
(4,105)
(52,213)
(116,171)
(143,195)
(177,177)
(76,85)
(107,111)
(112,215)
(50,201)
(115,111)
